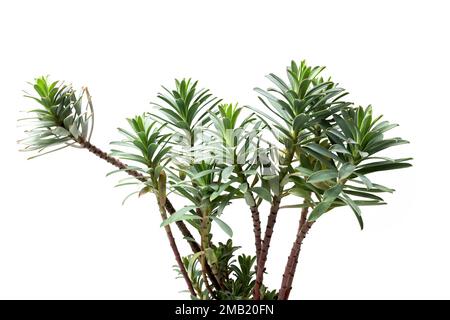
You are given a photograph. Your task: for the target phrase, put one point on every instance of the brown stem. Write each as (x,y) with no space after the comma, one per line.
(256,230)
(272,219)
(195,247)
(291,265)
(255,213)
(119,164)
(175,250)
(265,247)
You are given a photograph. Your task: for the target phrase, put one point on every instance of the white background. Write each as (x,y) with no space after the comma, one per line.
(63,231)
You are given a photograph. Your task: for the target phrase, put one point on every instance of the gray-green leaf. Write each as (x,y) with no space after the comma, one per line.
(323,175)
(346,170)
(263,193)
(225,227)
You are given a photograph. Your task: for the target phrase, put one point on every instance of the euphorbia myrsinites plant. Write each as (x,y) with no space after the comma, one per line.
(304,141)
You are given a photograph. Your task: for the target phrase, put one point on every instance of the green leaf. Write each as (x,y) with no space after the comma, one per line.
(226,173)
(294,206)
(364,195)
(302,171)
(181,215)
(249,199)
(225,227)
(332,193)
(328,197)
(319,210)
(243,187)
(381,166)
(219,191)
(323,175)
(376,188)
(384,144)
(263,193)
(355,209)
(203,173)
(74,131)
(322,151)
(369,203)
(339,148)
(365,180)
(128,196)
(346,170)
(344,126)
(300,121)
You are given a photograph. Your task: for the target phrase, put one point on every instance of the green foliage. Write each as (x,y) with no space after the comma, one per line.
(211,153)
(60,119)
(299,108)
(224,253)
(332,141)
(147,147)
(240,284)
(191,263)
(185,108)
(145,144)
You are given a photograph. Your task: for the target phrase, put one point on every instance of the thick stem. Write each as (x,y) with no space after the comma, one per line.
(210,270)
(119,164)
(255,213)
(204,232)
(256,230)
(272,219)
(195,247)
(175,250)
(291,265)
(265,247)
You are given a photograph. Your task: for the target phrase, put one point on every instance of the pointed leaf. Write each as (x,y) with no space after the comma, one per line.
(346,170)
(323,175)
(225,227)
(263,193)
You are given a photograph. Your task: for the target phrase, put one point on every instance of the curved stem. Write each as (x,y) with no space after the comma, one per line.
(120,165)
(174,247)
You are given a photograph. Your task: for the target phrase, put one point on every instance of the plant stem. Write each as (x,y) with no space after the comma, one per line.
(255,213)
(265,247)
(291,265)
(119,164)
(271,220)
(195,247)
(257,231)
(174,247)
(210,270)
(204,232)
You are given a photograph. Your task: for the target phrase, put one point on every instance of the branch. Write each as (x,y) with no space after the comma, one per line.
(291,265)
(255,214)
(257,231)
(174,247)
(195,247)
(204,233)
(272,219)
(265,247)
(119,164)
